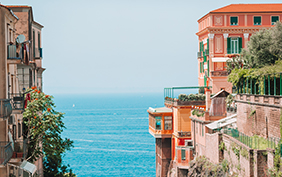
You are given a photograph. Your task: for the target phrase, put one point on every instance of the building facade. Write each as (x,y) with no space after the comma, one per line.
(21,68)
(223,33)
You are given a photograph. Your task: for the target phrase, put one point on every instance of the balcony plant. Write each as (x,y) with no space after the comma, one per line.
(43,128)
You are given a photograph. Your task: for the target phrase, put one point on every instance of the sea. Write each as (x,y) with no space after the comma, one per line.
(110,133)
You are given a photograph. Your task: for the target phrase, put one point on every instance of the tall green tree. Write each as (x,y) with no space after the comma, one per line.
(264,48)
(43,128)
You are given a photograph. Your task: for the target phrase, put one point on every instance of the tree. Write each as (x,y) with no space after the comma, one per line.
(43,128)
(264,48)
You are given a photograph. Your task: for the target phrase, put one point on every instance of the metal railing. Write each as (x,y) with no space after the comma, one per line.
(12,52)
(199,54)
(207,52)
(219,73)
(5,108)
(20,149)
(254,142)
(184,134)
(6,152)
(271,85)
(17,100)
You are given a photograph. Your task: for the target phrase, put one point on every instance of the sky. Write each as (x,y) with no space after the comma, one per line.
(119,46)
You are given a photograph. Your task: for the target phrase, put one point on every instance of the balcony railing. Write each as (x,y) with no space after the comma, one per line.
(17,101)
(20,149)
(5,108)
(207,52)
(12,52)
(219,73)
(231,109)
(184,134)
(272,85)
(199,54)
(169,96)
(6,152)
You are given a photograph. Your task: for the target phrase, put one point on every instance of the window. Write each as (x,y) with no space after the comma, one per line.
(233,20)
(168,122)
(257,20)
(234,45)
(33,42)
(158,123)
(183,155)
(19,130)
(274,19)
(202,129)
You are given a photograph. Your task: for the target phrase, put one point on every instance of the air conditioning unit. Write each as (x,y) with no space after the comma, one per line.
(188,142)
(11,120)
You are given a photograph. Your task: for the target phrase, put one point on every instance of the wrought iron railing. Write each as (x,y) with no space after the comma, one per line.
(5,108)
(17,100)
(6,152)
(207,52)
(199,54)
(219,73)
(20,149)
(12,52)
(254,142)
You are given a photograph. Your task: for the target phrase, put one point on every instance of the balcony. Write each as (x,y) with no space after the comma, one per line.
(20,149)
(5,108)
(12,52)
(160,122)
(207,52)
(184,134)
(6,152)
(170,100)
(219,73)
(17,101)
(199,54)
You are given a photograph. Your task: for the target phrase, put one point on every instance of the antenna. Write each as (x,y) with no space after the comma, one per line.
(20,39)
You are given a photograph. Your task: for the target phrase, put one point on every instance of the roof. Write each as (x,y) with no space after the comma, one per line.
(18,6)
(160,110)
(9,10)
(221,93)
(250,8)
(223,122)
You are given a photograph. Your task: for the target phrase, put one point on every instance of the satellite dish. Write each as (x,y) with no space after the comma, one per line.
(20,39)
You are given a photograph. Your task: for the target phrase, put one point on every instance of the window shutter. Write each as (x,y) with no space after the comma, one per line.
(240,44)
(205,81)
(205,57)
(228,45)
(208,64)
(208,44)
(183,155)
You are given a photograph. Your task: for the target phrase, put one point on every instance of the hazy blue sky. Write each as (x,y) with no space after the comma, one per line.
(93,46)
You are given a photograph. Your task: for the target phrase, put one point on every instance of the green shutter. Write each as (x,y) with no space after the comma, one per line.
(228,45)
(200,67)
(208,63)
(240,44)
(208,44)
(205,81)
(205,57)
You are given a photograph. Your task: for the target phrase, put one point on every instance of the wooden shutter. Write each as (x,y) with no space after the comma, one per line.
(208,64)
(228,45)
(240,44)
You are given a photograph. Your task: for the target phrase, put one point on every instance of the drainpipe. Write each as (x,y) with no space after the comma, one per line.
(208,98)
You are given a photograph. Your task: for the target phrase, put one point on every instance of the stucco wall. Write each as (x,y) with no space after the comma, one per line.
(212,143)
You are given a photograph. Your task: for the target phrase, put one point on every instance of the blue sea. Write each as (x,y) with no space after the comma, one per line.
(110,133)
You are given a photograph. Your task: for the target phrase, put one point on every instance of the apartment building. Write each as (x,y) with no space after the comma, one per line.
(21,68)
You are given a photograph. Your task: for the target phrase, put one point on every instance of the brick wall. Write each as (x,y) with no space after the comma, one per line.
(265,122)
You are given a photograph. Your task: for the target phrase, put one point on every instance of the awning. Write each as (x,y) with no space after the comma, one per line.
(28,167)
(223,122)
(220,59)
(160,110)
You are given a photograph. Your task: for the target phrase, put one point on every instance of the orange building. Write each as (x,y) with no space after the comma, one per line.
(224,32)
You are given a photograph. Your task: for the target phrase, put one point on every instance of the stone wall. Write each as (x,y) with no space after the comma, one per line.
(163,156)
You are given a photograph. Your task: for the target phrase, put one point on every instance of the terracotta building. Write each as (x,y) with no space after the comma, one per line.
(223,33)
(21,63)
